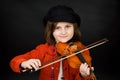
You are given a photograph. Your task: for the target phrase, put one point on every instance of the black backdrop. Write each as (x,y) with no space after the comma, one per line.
(22,30)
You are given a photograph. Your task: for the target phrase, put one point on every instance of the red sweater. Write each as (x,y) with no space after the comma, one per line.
(44,53)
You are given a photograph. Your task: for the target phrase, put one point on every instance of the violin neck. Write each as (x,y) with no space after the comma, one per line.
(81,58)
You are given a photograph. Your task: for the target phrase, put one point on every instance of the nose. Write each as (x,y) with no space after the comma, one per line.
(63,31)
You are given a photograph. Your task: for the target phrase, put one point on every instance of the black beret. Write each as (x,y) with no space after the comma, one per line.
(61,13)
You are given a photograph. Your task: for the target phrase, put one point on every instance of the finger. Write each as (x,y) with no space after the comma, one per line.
(92,68)
(84,67)
(88,71)
(81,67)
(33,66)
(29,67)
(38,61)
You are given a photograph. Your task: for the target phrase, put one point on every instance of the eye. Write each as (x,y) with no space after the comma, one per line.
(68,26)
(57,27)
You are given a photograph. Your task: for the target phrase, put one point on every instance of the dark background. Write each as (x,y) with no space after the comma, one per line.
(22,30)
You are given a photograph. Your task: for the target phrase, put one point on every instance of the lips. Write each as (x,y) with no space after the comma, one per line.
(63,36)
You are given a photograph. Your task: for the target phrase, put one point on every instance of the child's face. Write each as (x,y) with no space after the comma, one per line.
(63,32)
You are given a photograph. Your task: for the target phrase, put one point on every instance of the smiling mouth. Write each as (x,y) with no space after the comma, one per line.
(63,36)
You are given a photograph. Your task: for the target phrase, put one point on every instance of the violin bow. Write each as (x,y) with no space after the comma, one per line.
(63,57)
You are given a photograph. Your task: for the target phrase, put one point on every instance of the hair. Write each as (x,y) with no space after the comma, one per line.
(50,26)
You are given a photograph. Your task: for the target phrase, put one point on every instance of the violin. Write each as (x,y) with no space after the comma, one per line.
(74,53)
(75,61)
(65,49)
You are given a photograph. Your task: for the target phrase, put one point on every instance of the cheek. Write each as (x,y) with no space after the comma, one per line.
(71,32)
(55,34)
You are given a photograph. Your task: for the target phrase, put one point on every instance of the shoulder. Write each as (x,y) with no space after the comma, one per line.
(45,48)
(44,45)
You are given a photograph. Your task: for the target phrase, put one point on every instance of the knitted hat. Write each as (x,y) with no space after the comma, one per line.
(61,13)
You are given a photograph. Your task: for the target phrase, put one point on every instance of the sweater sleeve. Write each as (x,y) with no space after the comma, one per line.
(79,77)
(36,53)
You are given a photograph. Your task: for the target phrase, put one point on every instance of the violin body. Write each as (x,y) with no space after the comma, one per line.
(65,49)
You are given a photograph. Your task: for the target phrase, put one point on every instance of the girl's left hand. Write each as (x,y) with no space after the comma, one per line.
(85,70)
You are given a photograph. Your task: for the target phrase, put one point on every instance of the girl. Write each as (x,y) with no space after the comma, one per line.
(61,25)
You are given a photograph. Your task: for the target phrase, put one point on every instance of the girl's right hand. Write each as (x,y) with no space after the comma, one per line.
(31,64)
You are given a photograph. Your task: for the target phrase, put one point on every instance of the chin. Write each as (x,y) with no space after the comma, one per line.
(64,41)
